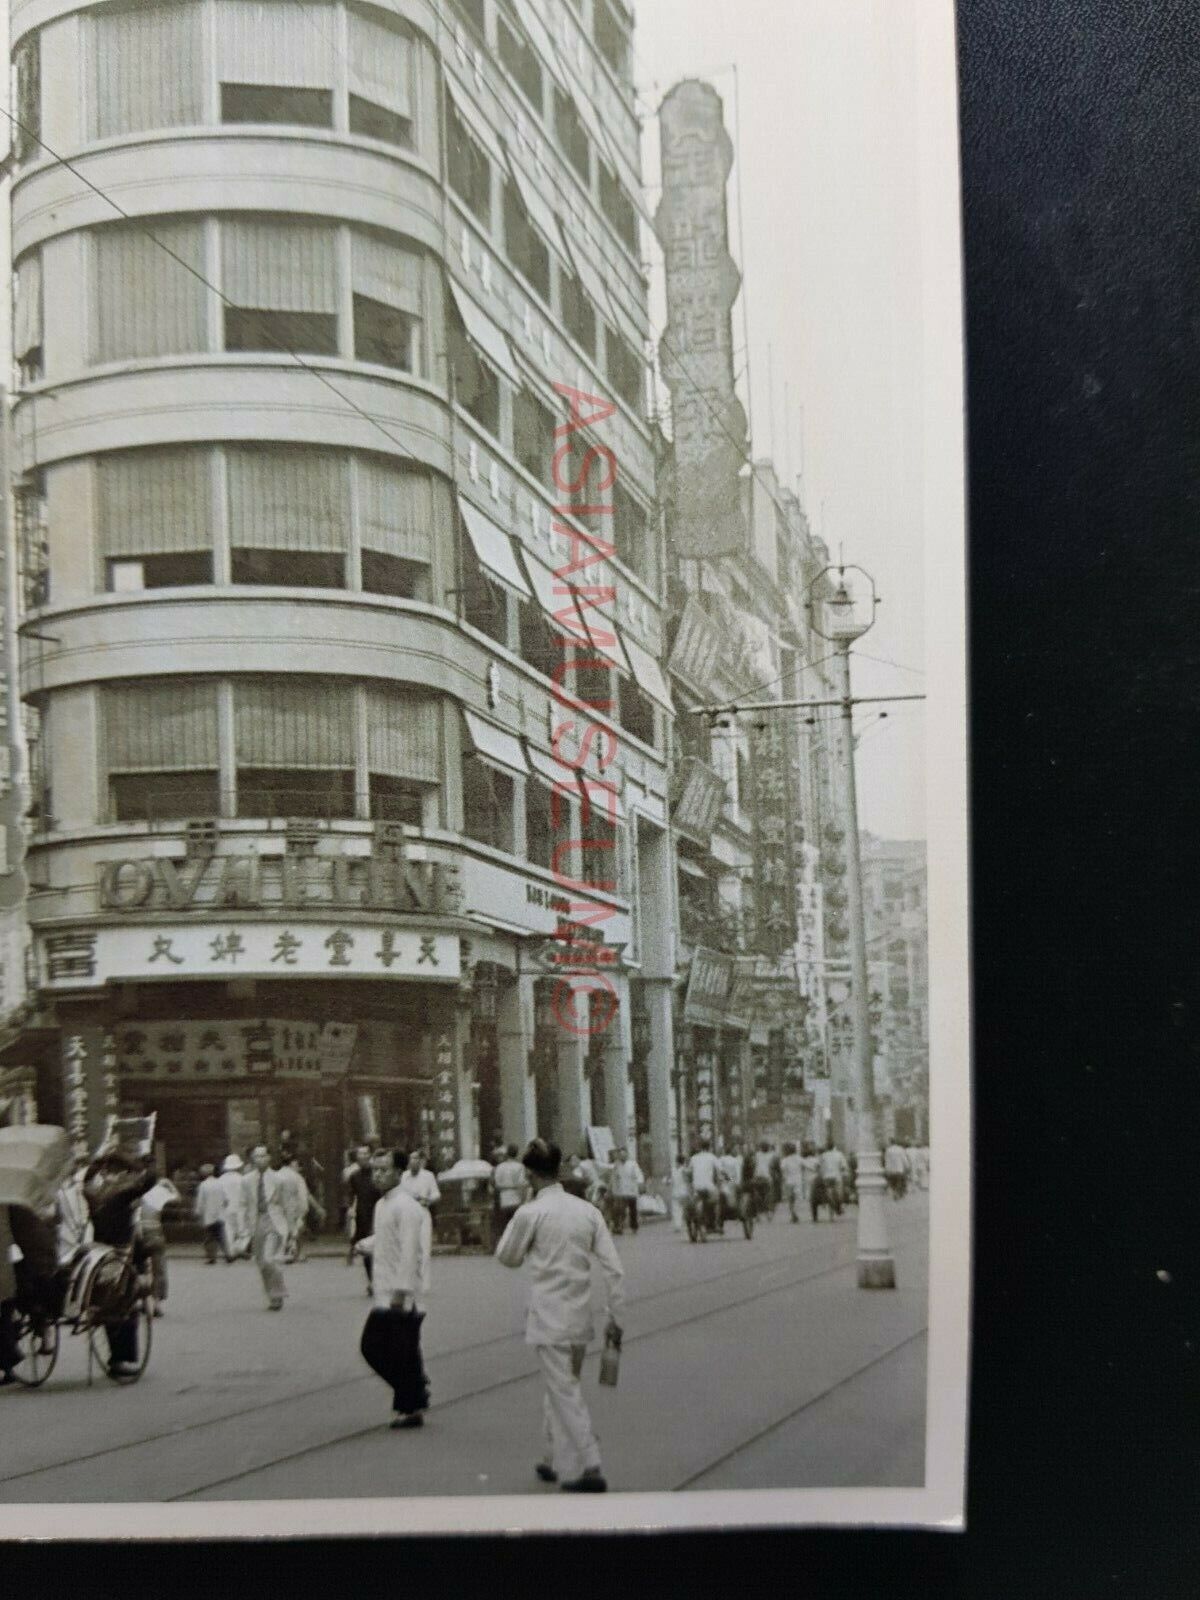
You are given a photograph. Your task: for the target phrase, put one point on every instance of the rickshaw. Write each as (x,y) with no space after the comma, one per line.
(101,1287)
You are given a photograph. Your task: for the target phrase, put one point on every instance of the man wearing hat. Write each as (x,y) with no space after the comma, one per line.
(234,1223)
(560,1236)
(210,1206)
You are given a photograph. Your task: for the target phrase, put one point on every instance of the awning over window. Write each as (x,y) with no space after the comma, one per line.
(539,211)
(493,547)
(560,608)
(469,114)
(484,334)
(604,799)
(553,770)
(494,744)
(590,274)
(690,867)
(606,641)
(647,673)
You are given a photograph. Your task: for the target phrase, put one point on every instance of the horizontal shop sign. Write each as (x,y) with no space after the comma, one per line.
(85,957)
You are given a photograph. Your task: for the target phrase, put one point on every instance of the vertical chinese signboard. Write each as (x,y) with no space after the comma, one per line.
(696,352)
(445,1099)
(12,838)
(90,1092)
(774,838)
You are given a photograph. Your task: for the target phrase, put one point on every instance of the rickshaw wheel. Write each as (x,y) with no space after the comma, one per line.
(35,1365)
(143,1321)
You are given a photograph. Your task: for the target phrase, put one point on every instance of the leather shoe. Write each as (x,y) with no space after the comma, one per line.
(591,1483)
(410,1419)
(123,1369)
(545,1473)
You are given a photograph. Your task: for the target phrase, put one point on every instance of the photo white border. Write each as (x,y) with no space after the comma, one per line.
(940,1503)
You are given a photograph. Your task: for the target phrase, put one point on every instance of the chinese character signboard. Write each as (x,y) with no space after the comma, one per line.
(84,957)
(710,984)
(445,1100)
(774,838)
(696,649)
(696,352)
(700,794)
(12,837)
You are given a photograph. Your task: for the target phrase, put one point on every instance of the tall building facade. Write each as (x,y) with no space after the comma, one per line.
(294,333)
(896,917)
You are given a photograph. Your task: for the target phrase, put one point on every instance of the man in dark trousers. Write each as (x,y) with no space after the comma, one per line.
(113,1186)
(403,1247)
(362,1194)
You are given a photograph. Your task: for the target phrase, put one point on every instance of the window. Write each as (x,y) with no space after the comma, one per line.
(275,103)
(624,369)
(571,135)
(160,744)
(618,208)
(147,67)
(524,245)
(476,383)
(533,435)
(633,535)
(488,796)
(273,62)
(540,832)
(467,167)
(153,511)
(472,12)
(398,511)
(384,335)
(289,515)
(636,711)
(294,743)
(380,61)
(579,315)
(519,58)
(387,302)
(403,753)
(280,279)
(28,332)
(484,601)
(145,303)
(540,646)
(28,61)
(610,39)
(601,839)
(593,682)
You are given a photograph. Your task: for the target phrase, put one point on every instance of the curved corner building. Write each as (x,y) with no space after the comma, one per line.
(288,328)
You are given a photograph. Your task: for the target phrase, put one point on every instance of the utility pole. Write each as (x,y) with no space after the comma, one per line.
(876,1266)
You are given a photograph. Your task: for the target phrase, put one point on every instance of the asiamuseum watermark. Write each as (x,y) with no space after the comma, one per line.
(585,1000)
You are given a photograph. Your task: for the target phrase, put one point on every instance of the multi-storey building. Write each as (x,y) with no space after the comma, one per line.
(895,914)
(287,330)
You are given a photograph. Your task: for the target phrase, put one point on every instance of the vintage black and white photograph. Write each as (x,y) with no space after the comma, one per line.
(483,905)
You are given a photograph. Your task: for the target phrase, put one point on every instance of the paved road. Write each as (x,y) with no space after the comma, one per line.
(746,1365)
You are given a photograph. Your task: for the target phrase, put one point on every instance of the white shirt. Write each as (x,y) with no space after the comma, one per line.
(211,1201)
(730,1168)
(833,1163)
(627,1179)
(679,1183)
(511,1182)
(402,1250)
(560,1236)
(421,1186)
(703,1168)
(233,1184)
(762,1163)
(792,1168)
(895,1160)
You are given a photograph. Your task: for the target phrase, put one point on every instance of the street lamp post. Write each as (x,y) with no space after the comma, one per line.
(876,1266)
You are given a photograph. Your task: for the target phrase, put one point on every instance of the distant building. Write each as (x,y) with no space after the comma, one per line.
(896,916)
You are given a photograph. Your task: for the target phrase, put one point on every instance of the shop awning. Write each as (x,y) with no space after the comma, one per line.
(538,210)
(495,744)
(492,546)
(606,640)
(560,608)
(552,769)
(469,114)
(484,334)
(590,275)
(604,799)
(647,673)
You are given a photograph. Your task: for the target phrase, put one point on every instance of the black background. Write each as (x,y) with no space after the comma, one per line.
(1081,148)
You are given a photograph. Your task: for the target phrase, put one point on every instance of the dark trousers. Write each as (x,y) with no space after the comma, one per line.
(214,1242)
(629,1201)
(366,1259)
(391,1346)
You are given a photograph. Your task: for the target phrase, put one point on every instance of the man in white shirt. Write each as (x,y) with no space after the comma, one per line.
(560,1236)
(511,1184)
(419,1182)
(792,1167)
(270,1206)
(210,1206)
(235,1224)
(833,1172)
(704,1174)
(895,1166)
(627,1181)
(402,1249)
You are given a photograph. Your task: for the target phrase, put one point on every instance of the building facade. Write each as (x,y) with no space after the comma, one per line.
(332,784)
(896,917)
